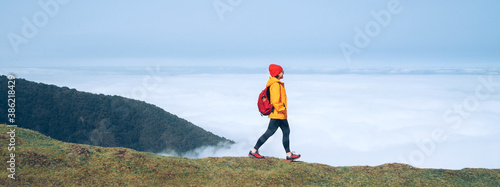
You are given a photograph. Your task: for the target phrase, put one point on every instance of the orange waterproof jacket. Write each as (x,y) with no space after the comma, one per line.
(278,98)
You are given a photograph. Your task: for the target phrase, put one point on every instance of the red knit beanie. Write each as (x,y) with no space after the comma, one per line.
(275,69)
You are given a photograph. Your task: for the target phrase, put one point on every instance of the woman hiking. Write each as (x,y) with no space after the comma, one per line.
(278,116)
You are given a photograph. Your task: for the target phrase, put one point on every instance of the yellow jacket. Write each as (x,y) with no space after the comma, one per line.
(278,98)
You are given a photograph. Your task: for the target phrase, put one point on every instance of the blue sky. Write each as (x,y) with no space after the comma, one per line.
(433,33)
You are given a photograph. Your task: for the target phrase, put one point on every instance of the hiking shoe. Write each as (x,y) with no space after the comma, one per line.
(255,155)
(292,158)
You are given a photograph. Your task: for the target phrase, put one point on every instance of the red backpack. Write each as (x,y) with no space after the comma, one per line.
(264,102)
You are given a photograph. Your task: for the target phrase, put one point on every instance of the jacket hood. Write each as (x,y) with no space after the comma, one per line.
(273,80)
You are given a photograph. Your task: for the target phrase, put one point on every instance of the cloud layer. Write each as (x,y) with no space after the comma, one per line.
(435,121)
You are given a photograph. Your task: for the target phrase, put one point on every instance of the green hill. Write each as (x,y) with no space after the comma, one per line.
(42,161)
(111,121)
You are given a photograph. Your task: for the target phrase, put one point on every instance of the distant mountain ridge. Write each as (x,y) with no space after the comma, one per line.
(111,121)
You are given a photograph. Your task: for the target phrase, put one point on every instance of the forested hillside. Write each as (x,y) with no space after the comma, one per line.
(112,121)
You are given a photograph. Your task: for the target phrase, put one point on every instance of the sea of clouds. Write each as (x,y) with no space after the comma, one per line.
(429,118)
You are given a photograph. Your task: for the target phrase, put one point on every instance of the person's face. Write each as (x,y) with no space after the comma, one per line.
(280,76)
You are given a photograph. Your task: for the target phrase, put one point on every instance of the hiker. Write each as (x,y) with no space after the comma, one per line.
(278,117)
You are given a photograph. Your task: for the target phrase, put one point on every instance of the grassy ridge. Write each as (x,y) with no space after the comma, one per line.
(43,161)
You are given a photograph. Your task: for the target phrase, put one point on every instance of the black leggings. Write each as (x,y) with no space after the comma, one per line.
(271,129)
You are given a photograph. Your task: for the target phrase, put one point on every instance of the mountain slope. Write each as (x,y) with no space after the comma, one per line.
(111,121)
(42,161)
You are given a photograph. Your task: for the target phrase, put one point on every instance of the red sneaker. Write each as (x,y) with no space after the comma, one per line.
(255,155)
(292,158)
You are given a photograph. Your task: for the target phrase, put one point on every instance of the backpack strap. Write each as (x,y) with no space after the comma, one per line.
(268,94)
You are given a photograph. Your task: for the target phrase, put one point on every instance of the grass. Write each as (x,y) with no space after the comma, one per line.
(42,161)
